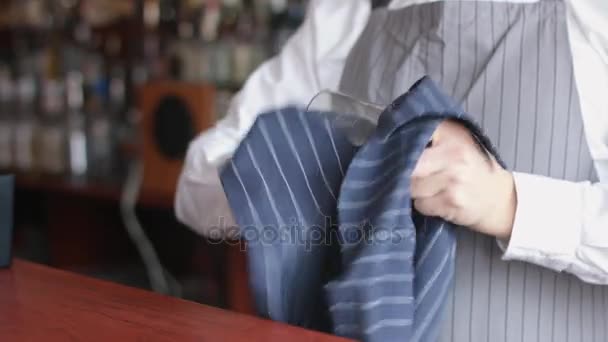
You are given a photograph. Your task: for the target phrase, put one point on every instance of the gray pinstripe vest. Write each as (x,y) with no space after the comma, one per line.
(510,67)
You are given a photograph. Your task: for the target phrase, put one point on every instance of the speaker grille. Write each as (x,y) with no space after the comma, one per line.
(173,127)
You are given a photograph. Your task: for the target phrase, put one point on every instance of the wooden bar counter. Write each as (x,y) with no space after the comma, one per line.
(38,303)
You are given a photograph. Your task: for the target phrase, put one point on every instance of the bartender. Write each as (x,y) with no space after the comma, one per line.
(534,75)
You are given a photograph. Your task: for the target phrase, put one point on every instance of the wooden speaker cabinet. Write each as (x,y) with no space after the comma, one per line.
(173,113)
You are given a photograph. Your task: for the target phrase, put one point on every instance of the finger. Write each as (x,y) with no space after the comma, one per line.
(429,186)
(431,206)
(432,160)
(449,130)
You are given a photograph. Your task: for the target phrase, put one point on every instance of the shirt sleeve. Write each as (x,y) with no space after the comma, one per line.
(564,225)
(561,225)
(312,60)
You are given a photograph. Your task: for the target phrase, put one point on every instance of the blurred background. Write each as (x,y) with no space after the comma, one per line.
(98,101)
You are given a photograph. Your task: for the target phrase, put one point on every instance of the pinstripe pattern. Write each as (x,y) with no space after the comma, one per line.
(510,66)
(394,283)
(434,257)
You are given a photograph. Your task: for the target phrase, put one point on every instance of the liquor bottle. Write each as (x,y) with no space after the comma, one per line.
(287,17)
(261,42)
(169,10)
(7,116)
(207,27)
(99,130)
(278,20)
(76,126)
(26,124)
(51,140)
(210,21)
(118,107)
(243,47)
(224,47)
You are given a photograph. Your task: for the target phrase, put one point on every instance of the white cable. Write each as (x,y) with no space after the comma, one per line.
(160,279)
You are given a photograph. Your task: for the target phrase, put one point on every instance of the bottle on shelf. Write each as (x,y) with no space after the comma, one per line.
(51,142)
(286,18)
(118,108)
(168,13)
(7,118)
(242,57)
(223,48)
(222,61)
(99,128)
(76,126)
(26,124)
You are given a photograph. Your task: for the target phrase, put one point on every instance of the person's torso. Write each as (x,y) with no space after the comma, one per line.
(509,65)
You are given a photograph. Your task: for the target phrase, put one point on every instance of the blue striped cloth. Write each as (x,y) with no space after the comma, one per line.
(332,241)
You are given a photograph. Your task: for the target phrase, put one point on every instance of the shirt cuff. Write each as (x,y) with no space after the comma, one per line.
(547,224)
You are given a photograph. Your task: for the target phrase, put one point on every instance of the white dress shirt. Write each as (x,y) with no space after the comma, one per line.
(558,224)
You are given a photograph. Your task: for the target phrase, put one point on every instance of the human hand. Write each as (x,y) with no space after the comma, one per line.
(458,182)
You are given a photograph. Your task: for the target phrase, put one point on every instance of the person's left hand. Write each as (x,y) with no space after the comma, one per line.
(456,181)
